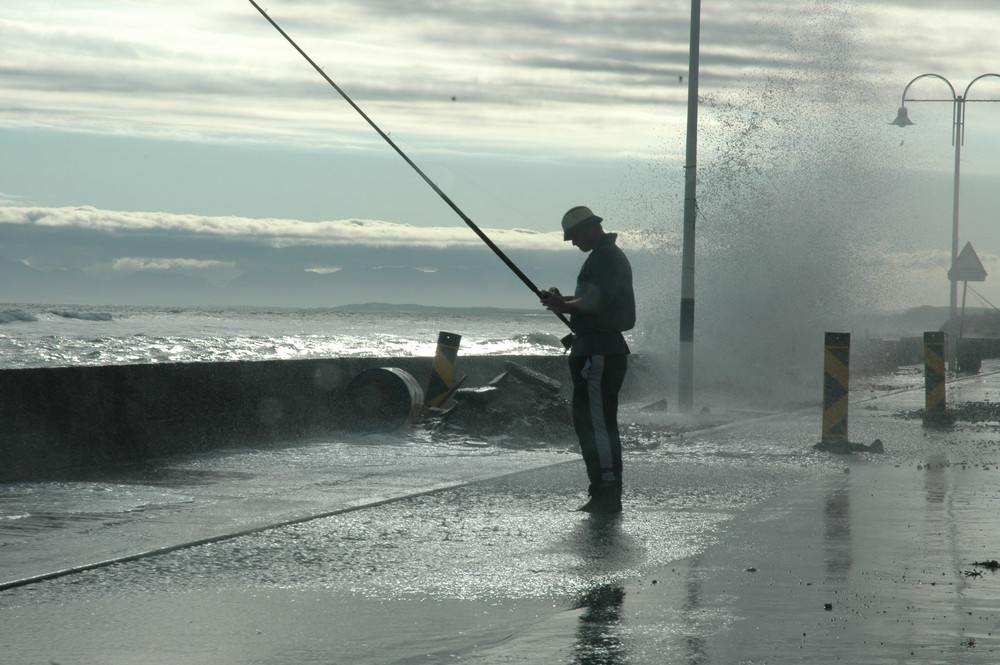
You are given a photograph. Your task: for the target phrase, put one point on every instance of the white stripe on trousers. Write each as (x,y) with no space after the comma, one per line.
(593,372)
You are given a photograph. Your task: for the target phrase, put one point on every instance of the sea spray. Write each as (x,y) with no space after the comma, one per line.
(794,214)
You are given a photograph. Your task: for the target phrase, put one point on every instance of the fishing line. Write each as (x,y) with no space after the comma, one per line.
(444,197)
(460,175)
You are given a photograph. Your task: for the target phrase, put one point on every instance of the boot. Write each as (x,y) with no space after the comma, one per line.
(604,500)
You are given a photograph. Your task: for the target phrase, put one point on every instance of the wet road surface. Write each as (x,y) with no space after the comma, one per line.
(739,544)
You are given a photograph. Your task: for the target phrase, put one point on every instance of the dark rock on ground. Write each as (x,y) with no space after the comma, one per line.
(846,447)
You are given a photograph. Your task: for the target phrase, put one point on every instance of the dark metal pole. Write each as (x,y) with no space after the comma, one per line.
(685,382)
(472,225)
(951,344)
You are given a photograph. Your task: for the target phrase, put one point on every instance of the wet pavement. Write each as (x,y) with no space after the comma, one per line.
(739,545)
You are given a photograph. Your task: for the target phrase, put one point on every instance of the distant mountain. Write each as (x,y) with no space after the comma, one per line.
(912,322)
(444,287)
(447,287)
(287,288)
(165,286)
(22,283)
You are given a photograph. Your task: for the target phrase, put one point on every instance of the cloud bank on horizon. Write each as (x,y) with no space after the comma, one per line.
(105,242)
(275,233)
(109,244)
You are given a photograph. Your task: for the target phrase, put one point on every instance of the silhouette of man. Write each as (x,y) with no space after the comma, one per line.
(601,308)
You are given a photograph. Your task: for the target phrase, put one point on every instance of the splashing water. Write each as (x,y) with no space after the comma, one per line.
(794,213)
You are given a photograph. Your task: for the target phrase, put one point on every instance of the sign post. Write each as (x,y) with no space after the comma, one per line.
(967,268)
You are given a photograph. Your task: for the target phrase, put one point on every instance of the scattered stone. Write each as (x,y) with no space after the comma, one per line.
(660,405)
(970,412)
(828,607)
(846,447)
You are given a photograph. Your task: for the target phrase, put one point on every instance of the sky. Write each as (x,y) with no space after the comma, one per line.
(189,136)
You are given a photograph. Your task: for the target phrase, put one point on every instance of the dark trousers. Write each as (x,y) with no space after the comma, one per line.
(596,383)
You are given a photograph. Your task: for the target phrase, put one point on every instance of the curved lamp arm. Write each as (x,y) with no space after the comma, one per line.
(958,104)
(903,119)
(954,95)
(965,96)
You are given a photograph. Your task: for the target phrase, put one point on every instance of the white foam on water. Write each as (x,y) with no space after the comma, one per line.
(44,336)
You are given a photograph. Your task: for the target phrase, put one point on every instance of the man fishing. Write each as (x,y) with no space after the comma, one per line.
(602,307)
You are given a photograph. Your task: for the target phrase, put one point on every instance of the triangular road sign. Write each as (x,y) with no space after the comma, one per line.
(968,267)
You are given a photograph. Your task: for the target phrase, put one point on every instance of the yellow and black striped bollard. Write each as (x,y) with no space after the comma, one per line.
(440,385)
(935,405)
(836,378)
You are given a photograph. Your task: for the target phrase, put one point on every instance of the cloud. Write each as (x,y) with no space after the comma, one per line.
(523,74)
(274,233)
(133,263)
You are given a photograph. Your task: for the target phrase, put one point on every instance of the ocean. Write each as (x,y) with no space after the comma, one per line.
(40,335)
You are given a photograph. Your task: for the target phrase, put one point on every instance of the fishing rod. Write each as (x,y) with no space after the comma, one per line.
(472,225)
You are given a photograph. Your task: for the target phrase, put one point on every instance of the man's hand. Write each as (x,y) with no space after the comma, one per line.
(553,301)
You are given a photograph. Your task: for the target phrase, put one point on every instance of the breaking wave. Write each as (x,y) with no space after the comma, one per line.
(12,315)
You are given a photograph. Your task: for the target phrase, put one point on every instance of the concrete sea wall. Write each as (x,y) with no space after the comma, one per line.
(56,419)
(68,418)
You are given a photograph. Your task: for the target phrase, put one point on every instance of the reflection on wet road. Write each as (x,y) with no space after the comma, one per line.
(598,639)
(450,574)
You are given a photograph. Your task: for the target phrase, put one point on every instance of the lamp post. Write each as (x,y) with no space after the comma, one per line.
(957,139)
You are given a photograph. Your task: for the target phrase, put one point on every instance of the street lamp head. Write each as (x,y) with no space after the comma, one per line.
(902,118)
